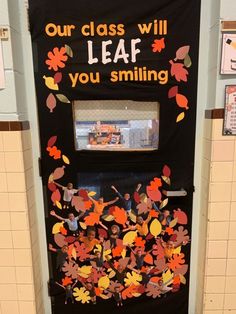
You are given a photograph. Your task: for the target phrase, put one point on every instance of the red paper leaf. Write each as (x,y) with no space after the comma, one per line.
(158,45)
(52,141)
(166,171)
(178,71)
(52,187)
(84,194)
(66,281)
(182,52)
(56,196)
(120,215)
(92,219)
(51,102)
(58,173)
(57,77)
(173,91)
(154,195)
(182,101)
(102,233)
(136,197)
(182,217)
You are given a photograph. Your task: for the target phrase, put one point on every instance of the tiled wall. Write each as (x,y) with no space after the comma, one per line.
(19,245)
(219,195)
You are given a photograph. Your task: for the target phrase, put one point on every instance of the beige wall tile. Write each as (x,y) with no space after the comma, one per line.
(230,302)
(213,312)
(17,202)
(22,257)
(233,211)
(24,275)
(2,162)
(14,162)
(3,182)
(231,267)
(28,161)
(7,257)
(219,211)
(215,267)
(16,182)
(27,307)
(215,284)
(5,223)
(222,151)
(21,239)
(230,284)
(25,292)
(1,142)
(213,301)
(234,170)
(220,192)
(7,275)
(12,141)
(207,149)
(234,192)
(218,230)
(232,230)
(229,312)
(26,139)
(19,221)
(207,129)
(217,249)
(10,307)
(221,171)
(5,240)
(4,202)
(231,249)
(217,128)
(8,292)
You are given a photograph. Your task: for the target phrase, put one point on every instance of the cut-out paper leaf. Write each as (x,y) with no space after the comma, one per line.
(167,276)
(52,187)
(83,225)
(132,217)
(173,91)
(108,217)
(56,58)
(69,51)
(63,98)
(51,103)
(158,45)
(155,227)
(92,219)
(56,196)
(136,197)
(148,259)
(49,82)
(58,173)
(180,117)
(56,228)
(50,178)
(182,52)
(182,279)
(92,193)
(132,279)
(57,77)
(52,141)
(166,171)
(187,61)
(129,237)
(104,282)
(178,71)
(54,152)
(173,222)
(81,295)
(65,159)
(163,203)
(58,204)
(182,101)
(181,216)
(166,179)
(154,195)
(120,215)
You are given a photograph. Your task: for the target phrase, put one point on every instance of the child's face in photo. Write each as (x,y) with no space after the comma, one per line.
(100,200)
(127,196)
(69,186)
(139,253)
(114,230)
(64,249)
(71,217)
(91,235)
(140,220)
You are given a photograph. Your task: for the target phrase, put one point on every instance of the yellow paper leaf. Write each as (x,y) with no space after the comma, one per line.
(49,82)
(167,276)
(166,179)
(155,227)
(73,253)
(65,159)
(104,282)
(50,178)
(108,217)
(83,225)
(123,253)
(56,228)
(164,203)
(177,250)
(62,98)
(58,204)
(182,279)
(129,237)
(103,296)
(69,51)
(84,271)
(98,248)
(91,193)
(132,217)
(173,222)
(136,294)
(180,117)
(143,197)
(112,274)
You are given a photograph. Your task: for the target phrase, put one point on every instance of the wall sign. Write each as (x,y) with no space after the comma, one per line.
(228,58)
(116,241)
(230,110)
